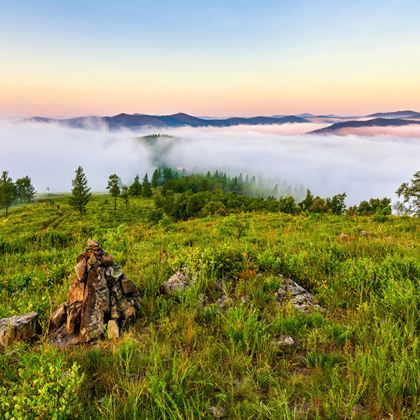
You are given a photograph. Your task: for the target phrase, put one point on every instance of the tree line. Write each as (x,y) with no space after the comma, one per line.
(80,192)
(181,195)
(21,191)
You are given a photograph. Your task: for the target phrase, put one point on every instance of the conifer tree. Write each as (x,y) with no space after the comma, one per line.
(156,177)
(135,187)
(80,192)
(7,191)
(113,187)
(146,187)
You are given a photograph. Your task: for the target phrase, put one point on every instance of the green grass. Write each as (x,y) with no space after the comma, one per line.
(360,359)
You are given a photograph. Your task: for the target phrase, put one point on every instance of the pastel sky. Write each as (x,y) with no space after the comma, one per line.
(208,57)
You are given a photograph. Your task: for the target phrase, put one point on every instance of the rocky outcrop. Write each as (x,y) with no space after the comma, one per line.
(299,297)
(100,299)
(17,328)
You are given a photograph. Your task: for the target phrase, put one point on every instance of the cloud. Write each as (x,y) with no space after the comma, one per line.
(362,166)
(49,154)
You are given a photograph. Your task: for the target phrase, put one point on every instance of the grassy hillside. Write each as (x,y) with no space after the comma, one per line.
(187,357)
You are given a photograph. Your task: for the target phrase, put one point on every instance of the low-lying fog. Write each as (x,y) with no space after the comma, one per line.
(362,166)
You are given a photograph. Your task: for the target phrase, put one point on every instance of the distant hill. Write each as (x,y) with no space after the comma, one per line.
(133,121)
(376,122)
(396,114)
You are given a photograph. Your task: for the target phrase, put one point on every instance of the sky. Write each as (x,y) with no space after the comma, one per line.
(208,57)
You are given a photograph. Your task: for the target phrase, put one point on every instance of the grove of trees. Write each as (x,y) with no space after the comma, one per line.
(21,190)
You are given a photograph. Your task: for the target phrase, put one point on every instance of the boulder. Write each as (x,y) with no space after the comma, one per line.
(17,328)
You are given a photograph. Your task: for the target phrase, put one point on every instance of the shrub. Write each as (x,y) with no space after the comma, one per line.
(40,385)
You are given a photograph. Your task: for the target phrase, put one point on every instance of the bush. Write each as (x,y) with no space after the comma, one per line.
(39,385)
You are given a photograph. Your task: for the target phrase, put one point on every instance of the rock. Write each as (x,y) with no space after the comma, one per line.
(344,237)
(130,312)
(58,317)
(76,292)
(128,287)
(286,341)
(63,338)
(74,311)
(107,260)
(17,328)
(363,233)
(96,305)
(114,312)
(81,268)
(176,282)
(113,330)
(299,297)
(91,245)
(217,412)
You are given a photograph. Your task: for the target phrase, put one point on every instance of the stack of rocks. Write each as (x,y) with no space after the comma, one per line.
(101,299)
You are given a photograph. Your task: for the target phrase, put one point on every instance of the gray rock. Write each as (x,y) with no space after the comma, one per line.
(299,297)
(217,412)
(176,282)
(286,341)
(17,328)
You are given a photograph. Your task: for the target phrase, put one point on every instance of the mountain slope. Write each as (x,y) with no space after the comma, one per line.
(376,122)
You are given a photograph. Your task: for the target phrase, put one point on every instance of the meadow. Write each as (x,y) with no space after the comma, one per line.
(186,357)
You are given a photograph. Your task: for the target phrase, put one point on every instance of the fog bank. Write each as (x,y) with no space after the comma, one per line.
(362,166)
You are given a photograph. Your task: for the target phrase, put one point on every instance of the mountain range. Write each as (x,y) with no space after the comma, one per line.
(134,121)
(137,121)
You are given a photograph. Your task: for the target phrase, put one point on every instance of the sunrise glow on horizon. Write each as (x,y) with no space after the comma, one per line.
(209,58)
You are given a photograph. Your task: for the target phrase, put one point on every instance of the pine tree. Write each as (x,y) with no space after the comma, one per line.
(135,187)
(113,187)
(156,177)
(25,191)
(80,192)
(7,191)
(146,187)
(125,195)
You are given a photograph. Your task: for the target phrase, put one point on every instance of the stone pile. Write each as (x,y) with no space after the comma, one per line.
(101,299)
